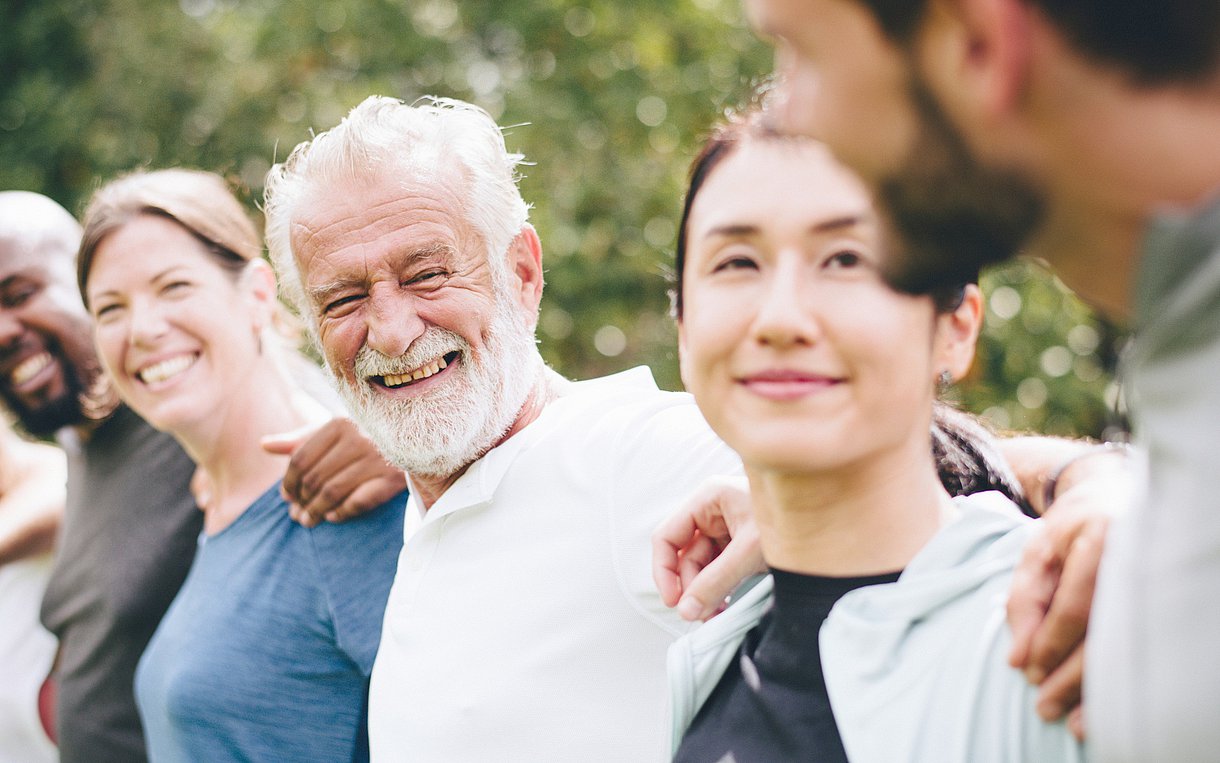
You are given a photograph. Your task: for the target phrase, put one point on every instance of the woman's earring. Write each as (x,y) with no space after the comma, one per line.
(944,380)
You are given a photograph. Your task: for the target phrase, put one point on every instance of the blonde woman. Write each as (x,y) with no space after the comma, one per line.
(266,651)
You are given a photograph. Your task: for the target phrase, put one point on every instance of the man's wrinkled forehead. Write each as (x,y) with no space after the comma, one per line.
(340,221)
(367,205)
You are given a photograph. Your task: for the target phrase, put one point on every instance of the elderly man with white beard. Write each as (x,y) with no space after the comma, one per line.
(523,622)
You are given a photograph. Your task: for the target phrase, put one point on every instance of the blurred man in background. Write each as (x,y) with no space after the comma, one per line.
(1089,132)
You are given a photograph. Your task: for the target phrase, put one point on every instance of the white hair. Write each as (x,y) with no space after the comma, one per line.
(424,142)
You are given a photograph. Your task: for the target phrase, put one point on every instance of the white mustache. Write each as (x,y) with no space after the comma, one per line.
(432,345)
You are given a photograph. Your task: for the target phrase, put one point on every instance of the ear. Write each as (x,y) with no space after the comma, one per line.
(975,54)
(525,261)
(682,372)
(257,285)
(957,333)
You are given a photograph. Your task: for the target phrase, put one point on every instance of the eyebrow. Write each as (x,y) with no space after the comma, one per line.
(156,277)
(839,223)
(826,226)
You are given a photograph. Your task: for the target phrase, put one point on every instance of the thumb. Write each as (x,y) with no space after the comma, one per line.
(706,592)
(285,443)
(1033,584)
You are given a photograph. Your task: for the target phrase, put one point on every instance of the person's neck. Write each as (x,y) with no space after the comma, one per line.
(84,430)
(227,447)
(428,488)
(862,519)
(1117,156)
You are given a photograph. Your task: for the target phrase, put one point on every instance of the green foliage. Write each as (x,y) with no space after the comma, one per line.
(1045,363)
(609,100)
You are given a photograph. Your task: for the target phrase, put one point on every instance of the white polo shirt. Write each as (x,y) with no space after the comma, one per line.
(523,623)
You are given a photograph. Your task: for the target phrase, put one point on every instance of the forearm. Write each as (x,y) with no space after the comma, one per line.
(1037,460)
(28,532)
(31,509)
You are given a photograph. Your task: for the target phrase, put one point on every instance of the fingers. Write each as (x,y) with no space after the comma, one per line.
(305,448)
(284,443)
(696,518)
(349,493)
(1060,692)
(325,487)
(1075,723)
(1068,616)
(705,593)
(697,555)
(1033,585)
(367,495)
(695,565)
(337,474)
(301,517)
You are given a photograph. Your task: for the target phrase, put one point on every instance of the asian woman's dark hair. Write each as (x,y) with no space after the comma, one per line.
(966,451)
(968,457)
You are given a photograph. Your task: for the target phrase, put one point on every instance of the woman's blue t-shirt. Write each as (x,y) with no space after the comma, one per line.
(265,653)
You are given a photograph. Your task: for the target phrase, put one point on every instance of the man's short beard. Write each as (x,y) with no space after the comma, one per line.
(440,433)
(952,215)
(86,391)
(48,418)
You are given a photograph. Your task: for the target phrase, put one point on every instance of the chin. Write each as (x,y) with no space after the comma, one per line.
(49,416)
(170,419)
(792,452)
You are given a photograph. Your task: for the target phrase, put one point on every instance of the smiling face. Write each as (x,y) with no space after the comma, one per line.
(430,346)
(46,359)
(176,332)
(799,355)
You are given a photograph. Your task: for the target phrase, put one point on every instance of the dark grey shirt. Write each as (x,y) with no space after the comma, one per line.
(129,536)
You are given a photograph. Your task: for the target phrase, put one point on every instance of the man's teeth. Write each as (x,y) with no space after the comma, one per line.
(423,372)
(159,372)
(29,368)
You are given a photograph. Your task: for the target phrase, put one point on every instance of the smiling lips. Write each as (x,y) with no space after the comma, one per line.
(163,370)
(787,385)
(394,381)
(29,368)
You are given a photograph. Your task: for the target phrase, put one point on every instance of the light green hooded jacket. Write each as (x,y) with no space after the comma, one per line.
(916,670)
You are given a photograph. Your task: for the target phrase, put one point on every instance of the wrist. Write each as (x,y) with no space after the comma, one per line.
(1069,472)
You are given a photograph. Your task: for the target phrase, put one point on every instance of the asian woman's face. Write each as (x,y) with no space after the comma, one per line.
(798,354)
(176,332)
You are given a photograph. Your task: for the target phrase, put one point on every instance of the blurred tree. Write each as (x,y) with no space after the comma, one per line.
(608,99)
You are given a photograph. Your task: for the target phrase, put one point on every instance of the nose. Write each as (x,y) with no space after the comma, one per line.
(796,102)
(393,321)
(146,324)
(784,317)
(10,331)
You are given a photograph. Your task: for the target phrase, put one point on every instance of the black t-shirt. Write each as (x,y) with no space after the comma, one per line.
(771,704)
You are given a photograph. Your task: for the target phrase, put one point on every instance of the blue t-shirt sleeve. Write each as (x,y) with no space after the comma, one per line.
(356,562)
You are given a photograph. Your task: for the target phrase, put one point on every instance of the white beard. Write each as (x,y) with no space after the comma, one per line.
(446,430)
